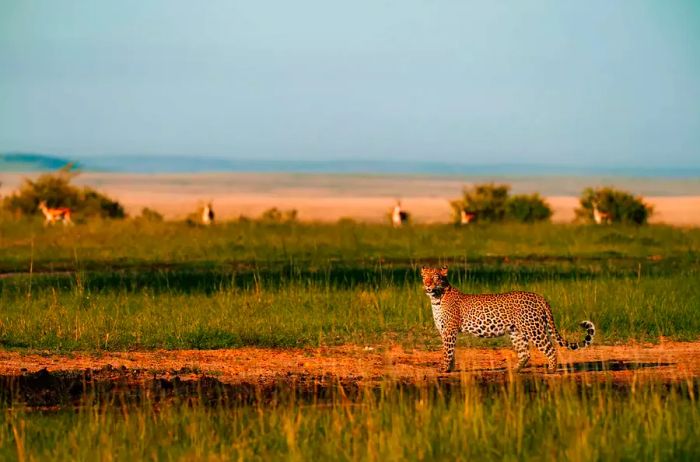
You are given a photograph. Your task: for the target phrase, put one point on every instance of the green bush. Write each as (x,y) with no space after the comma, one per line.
(56,189)
(621,206)
(492,203)
(487,201)
(526,208)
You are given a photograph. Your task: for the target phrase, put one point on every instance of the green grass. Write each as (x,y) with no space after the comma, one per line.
(129,285)
(126,285)
(516,421)
(296,310)
(128,243)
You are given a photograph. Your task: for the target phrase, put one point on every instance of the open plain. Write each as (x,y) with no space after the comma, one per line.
(366,198)
(254,339)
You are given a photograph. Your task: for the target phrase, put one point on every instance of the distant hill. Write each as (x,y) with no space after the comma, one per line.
(29,162)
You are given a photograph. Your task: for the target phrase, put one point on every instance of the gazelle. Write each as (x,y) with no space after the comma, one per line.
(52,215)
(398,216)
(466,217)
(208,215)
(599,216)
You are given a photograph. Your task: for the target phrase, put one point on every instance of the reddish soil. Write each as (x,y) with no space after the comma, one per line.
(669,361)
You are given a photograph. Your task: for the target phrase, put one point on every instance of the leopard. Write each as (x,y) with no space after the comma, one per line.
(525,316)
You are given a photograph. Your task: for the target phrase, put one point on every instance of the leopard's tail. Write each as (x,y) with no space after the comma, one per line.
(588,325)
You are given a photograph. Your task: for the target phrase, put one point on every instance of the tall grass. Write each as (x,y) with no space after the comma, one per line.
(137,284)
(558,420)
(308,312)
(126,285)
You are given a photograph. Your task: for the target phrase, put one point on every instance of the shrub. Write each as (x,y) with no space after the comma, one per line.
(488,201)
(56,189)
(94,203)
(621,206)
(526,208)
(491,203)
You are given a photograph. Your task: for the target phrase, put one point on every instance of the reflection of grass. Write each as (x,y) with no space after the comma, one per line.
(559,420)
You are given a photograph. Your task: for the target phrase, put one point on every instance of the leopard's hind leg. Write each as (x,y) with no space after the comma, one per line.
(544,344)
(521,346)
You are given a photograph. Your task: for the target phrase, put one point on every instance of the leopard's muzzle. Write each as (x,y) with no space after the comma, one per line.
(434,291)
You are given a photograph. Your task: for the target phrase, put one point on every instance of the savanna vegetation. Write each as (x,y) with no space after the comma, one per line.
(491,203)
(57,191)
(106,285)
(145,283)
(619,206)
(521,420)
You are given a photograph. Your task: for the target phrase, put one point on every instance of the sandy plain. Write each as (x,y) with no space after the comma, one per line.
(330,197)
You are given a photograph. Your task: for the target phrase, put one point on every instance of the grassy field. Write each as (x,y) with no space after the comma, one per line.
(298,311)
(126,285)
(130,243)
(135,285)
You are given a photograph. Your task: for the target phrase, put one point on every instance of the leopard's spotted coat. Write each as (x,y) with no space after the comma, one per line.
(525,316)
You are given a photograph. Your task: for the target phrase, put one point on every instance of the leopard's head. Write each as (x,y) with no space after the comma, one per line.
(434,280)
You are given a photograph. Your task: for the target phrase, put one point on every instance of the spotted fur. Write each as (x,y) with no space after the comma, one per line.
(525,316)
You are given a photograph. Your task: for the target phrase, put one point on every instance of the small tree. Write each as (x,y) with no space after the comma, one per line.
(487,201)
(527,208)
(56,189)
(620,206)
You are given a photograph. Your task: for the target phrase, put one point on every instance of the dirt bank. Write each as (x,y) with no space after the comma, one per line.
(667,360)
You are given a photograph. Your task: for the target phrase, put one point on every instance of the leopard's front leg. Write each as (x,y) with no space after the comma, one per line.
(449,341)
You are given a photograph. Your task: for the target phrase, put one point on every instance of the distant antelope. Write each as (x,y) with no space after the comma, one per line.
(52,215)
(398,216)
(208,215)
(599,216)
(466,217)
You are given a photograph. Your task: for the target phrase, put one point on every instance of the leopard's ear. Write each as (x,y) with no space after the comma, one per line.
(423,269)
(443,271)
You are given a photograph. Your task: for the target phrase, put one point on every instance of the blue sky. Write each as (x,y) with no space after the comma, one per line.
(570,83)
